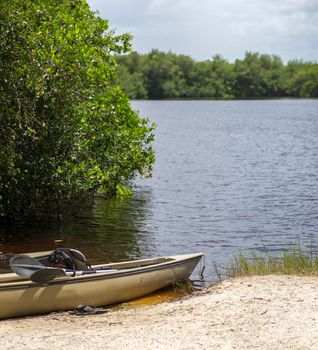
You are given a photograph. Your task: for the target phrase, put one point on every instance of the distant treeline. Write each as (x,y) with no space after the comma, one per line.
(160,75)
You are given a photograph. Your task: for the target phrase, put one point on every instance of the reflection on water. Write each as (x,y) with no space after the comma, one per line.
(229,175)
(110,231)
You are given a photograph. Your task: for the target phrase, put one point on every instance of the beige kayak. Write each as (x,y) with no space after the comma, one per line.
(19,296)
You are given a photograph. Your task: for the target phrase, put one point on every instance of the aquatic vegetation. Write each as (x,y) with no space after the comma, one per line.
(183,286)
(295,261)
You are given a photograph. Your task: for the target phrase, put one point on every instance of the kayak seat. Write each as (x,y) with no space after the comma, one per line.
(69,258)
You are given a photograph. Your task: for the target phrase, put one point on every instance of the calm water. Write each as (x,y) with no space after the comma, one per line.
(229,176)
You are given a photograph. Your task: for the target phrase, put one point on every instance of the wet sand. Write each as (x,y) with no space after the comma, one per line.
(267,312)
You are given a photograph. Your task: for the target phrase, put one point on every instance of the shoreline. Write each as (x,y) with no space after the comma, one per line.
(260,312)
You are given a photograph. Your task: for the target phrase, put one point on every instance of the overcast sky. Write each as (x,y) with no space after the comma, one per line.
(203,28)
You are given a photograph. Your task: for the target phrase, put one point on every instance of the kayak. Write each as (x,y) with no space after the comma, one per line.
(112,283)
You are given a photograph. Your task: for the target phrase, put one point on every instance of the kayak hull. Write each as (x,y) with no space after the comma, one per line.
(131,280)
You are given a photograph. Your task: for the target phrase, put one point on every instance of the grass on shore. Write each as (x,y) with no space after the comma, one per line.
(294,262)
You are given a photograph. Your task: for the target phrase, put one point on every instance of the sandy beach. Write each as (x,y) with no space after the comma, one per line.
(266,312)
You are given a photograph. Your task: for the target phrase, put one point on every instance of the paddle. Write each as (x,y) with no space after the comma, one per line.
(49,273)
(26,266)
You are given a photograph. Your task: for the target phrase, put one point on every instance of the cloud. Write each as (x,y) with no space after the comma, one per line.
(202,28)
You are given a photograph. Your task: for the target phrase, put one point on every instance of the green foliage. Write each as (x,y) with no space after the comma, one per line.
(293,262)
(257,76)
(160,75)
(65,129)
(303,79)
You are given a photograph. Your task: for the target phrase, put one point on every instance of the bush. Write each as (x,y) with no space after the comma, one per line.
(65,130)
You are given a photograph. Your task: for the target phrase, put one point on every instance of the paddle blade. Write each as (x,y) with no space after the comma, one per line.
(47,274)
(24,265)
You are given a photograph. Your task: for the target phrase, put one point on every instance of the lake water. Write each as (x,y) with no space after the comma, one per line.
(229,176)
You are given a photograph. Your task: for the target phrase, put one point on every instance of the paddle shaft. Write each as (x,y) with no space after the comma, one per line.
(47,274)
(88,272)
(37,272)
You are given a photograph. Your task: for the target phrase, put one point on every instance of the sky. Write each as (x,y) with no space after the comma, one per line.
(203,28)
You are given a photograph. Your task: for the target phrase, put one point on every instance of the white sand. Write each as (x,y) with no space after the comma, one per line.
(271,312)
